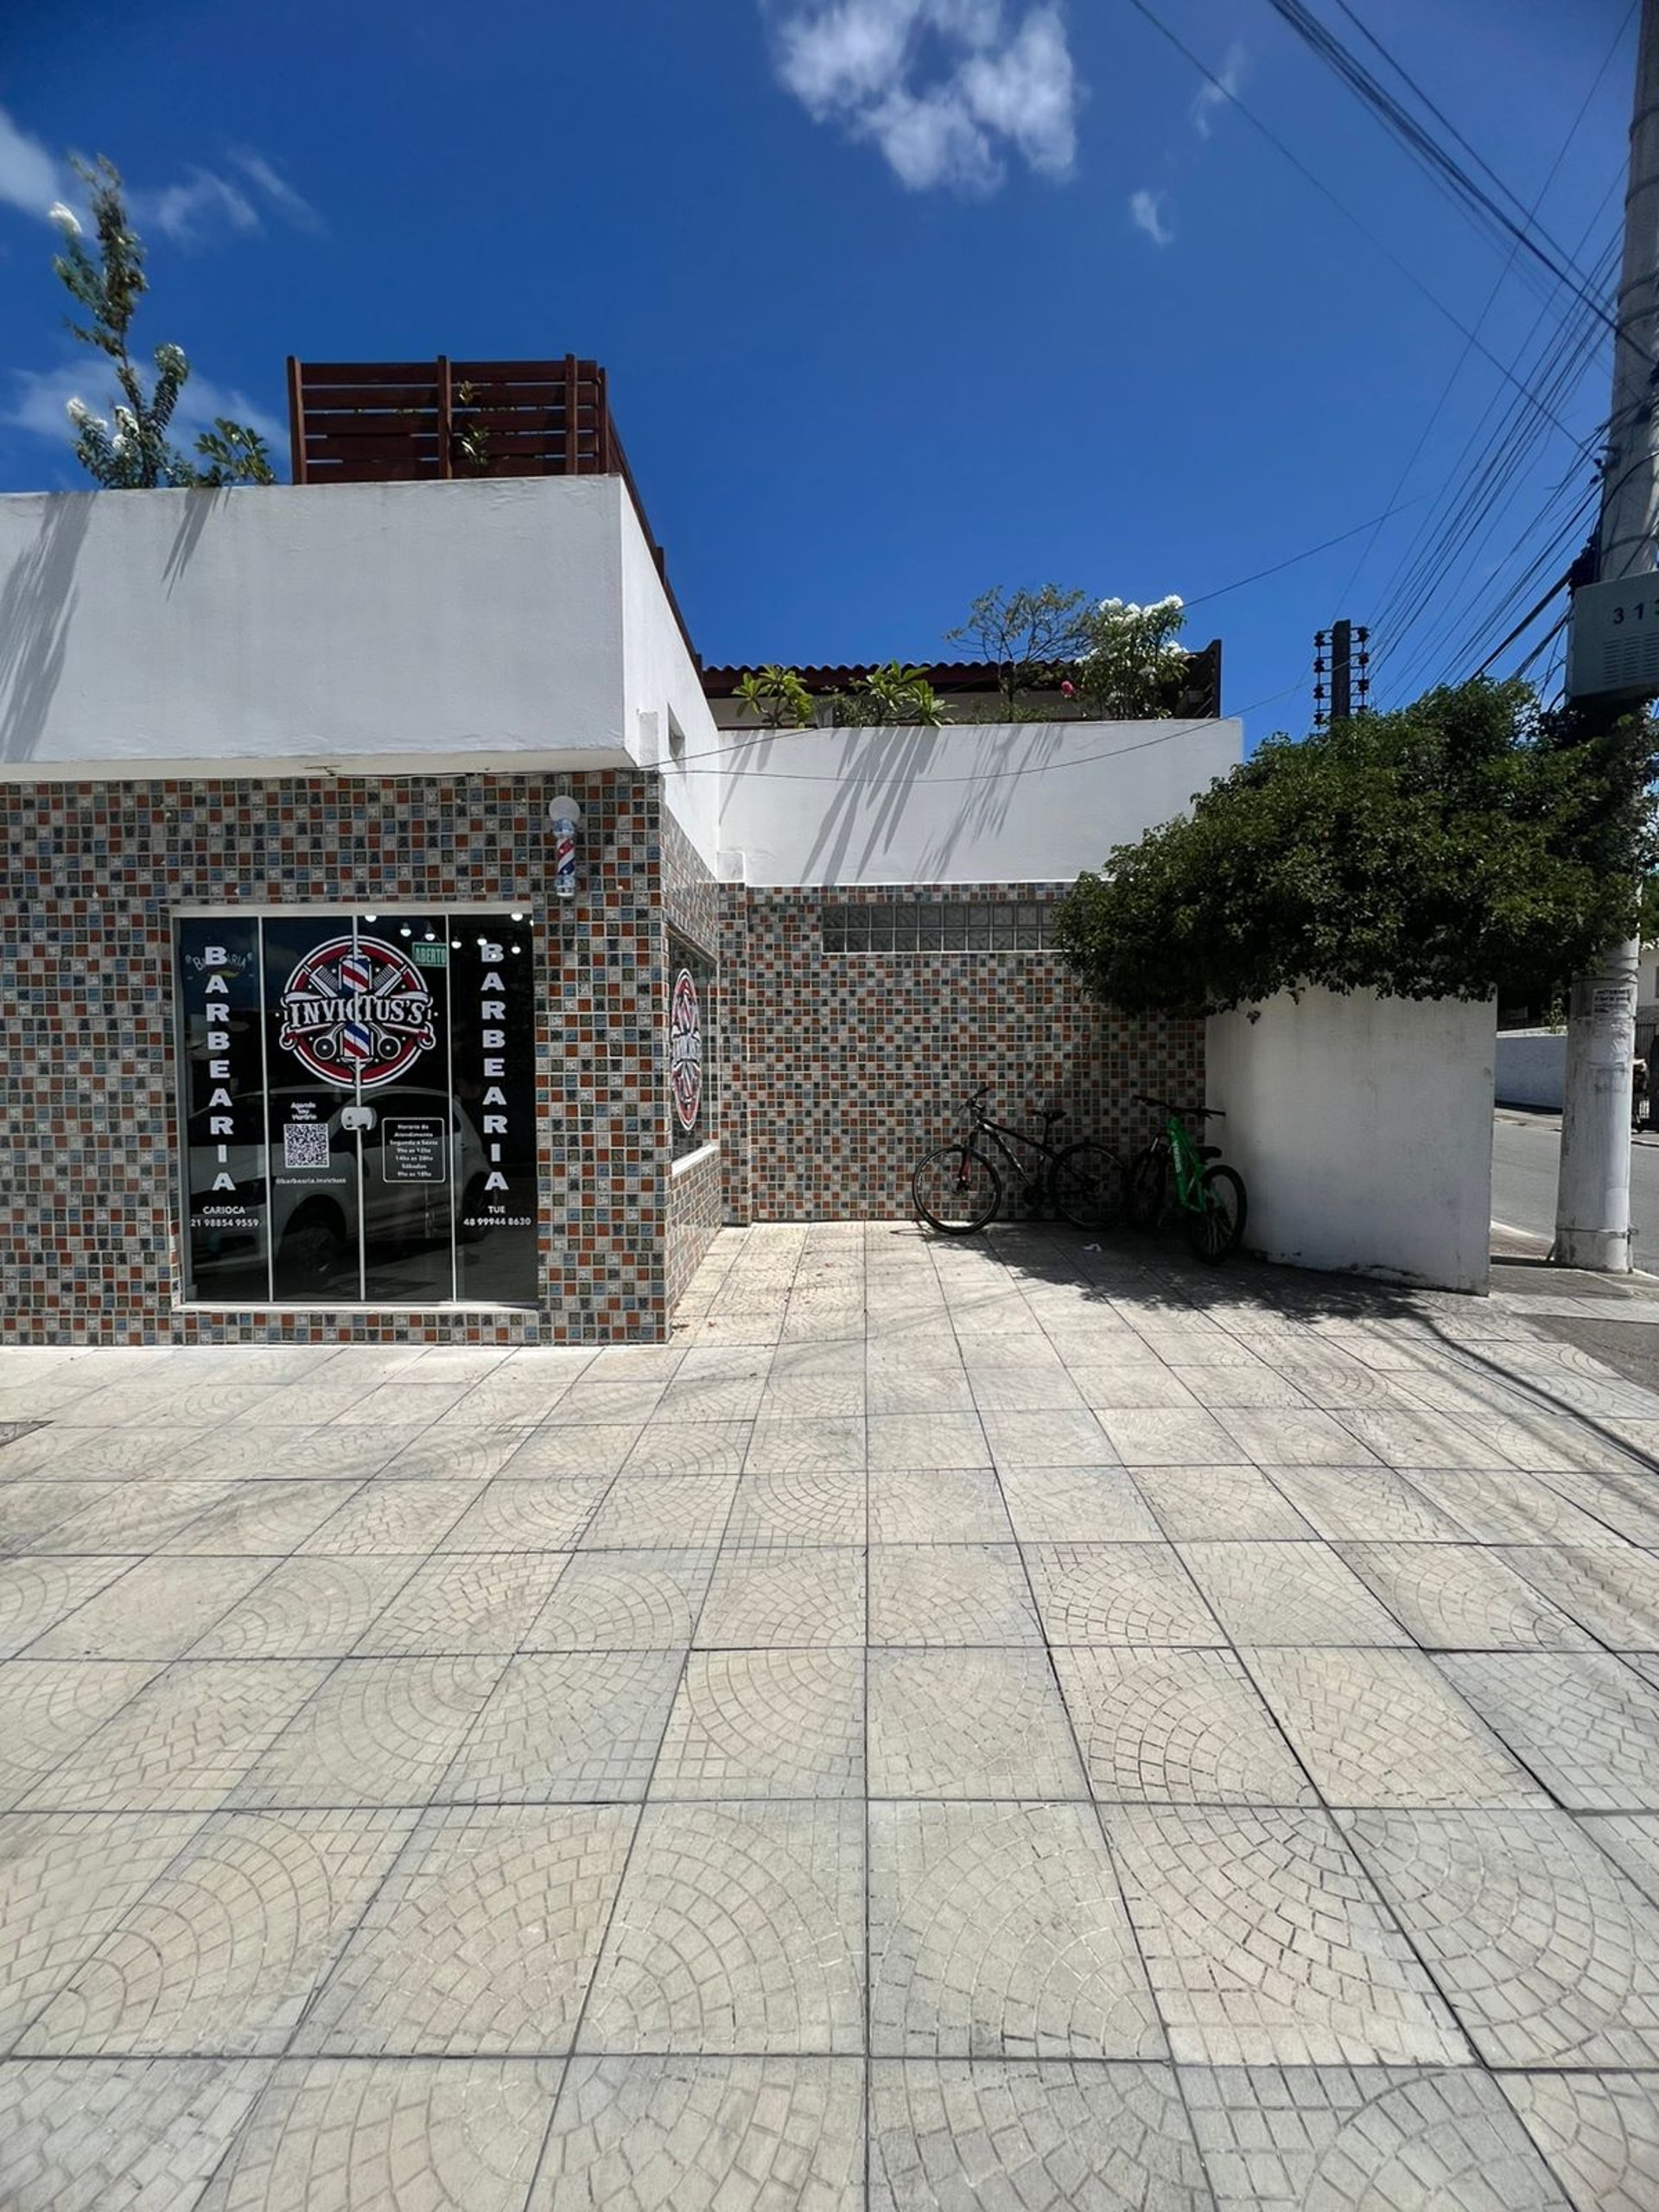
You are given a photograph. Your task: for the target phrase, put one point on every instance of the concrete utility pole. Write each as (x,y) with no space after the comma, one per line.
(1593,1203)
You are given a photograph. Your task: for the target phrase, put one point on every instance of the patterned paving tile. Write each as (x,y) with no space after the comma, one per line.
(1383,1728)
(409,2135)
(466,1453)
(78,2135)
(1338,2139)
(1632,1841)
(48,1708)
(1077,1505)
(998,1930)
(1140,1385)
(1599,2132)
(1189,1439)
(1548,1954)
(619,1399)
(1267,1945)
(482,1940)
(1507,1507)
(969,1723)
(919,1440)
(156,1610)
(185,1742)
(1043,2137)
(1117,1593)
(1461,1597)
(623,1601)
(65,1879)
(1289,1593)
(1363,1504)
(665,1512)
(261,1516)
(587,1450)
(740,1928)
(399,1517)
(130,1516)
(937,1505)
(379,1731)
(775,1510)
(1627,1503)
(465,1601)
(1218,1505)
(1182,1726)
(690,1447)
(1614,1594)
(224,1950)
(692,2134)
(35,1593)
(1274,1436)
(566,1727)
(950,1595)
(306,1608)
(783,1723)
(545,1514)
(795,1596)
(1418,1439)
(1585,1723)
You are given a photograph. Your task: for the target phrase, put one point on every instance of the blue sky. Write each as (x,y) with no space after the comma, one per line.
(900,298)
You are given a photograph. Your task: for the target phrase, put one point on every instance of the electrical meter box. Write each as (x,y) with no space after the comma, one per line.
(1612,640)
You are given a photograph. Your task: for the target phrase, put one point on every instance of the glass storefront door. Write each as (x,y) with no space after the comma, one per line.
(357,1107)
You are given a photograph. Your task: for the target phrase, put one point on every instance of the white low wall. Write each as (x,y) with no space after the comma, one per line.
(1530,1068)
(1363,1128)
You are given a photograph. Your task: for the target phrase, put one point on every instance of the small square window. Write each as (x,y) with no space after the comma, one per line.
(978,932)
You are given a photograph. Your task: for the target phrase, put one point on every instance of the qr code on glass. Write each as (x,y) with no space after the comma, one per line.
(305,1144)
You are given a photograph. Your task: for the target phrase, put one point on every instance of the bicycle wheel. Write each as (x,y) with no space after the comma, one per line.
(1145,1187)
(1215,1225)
(1087,1185)
(956,1190)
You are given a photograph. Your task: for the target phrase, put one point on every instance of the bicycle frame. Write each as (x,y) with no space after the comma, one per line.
(1189,1168)
(998,1131)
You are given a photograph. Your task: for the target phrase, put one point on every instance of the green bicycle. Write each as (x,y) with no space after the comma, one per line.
(1176,1174)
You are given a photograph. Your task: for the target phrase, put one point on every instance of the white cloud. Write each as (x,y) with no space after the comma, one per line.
(944,88)
(1146,214)
(1210,97)
(39,397)
(197,210)
(29,178)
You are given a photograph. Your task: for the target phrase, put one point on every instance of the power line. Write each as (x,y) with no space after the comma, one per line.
(1491,297)
(1375,521)
(1428,151)
(1141,8)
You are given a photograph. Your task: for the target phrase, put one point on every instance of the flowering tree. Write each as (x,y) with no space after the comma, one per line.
(1131,665)
(1120,661)
(135,452)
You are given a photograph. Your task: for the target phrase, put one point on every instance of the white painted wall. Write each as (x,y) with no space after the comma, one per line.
(1530,1068)
(976,803)
(1363,1128)
(662,694)
(407,624)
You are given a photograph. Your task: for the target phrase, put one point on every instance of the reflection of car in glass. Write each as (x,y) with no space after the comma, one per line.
(313,1215)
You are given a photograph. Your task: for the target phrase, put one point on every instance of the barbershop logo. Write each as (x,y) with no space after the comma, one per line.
(685,1050)
(356,1007)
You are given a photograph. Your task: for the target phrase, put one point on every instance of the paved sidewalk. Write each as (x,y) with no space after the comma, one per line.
(996,1724)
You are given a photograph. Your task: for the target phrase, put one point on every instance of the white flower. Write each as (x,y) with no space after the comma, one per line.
(82,416)
(170,360)
(65,218)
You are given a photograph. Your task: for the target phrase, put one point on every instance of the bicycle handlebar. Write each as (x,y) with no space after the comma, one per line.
(1168,1106)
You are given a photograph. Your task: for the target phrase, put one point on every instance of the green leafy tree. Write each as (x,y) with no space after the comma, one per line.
(136,452)
(1466,844)
(777,698)
(1032,637)
(893,693)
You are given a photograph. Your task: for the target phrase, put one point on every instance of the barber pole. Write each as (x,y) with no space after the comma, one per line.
(564,819)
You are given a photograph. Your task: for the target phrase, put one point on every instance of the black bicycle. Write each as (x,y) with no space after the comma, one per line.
(957,1188)
(1177,1174)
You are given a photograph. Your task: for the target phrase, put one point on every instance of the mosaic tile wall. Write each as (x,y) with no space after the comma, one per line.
(694,1209)
(93,874)
(842,1069)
